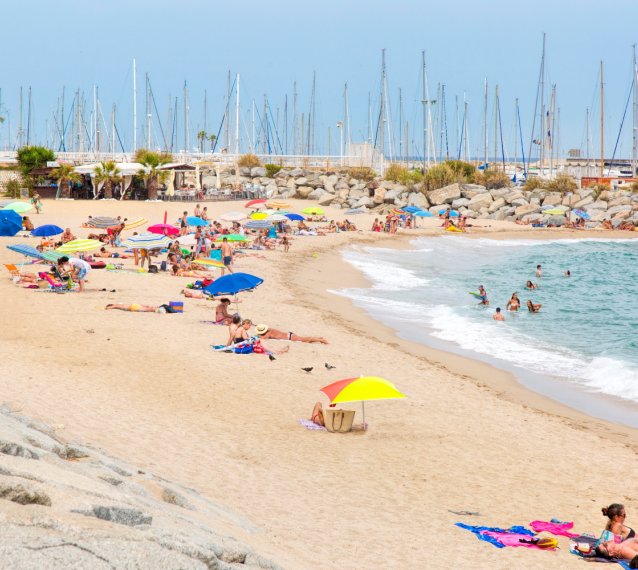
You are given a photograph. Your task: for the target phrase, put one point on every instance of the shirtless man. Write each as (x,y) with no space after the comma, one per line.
(264,332)
(539,271)
(498,316)
(67,236)
(626,550)
(227,255)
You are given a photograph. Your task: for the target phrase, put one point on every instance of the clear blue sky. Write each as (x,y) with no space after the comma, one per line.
(79,43)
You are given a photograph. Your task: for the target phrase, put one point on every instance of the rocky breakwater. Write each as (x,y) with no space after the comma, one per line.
(71,506)
(343,190)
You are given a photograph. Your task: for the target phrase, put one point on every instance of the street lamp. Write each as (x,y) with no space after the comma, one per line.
(340,127)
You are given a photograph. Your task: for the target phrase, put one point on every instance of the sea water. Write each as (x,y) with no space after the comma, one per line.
(583,343)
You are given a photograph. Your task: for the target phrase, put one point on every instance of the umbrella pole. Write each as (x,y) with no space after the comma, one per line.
(363,411)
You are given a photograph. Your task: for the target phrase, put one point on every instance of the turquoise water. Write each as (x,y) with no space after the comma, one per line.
(584,336)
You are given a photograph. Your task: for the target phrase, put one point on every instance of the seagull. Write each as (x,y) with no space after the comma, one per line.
(309,369)
(329,366)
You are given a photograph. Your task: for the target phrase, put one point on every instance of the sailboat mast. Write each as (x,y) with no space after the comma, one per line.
(495,126)
(295,121)
(634,125)
(113,131)
(552,138)
(148,114)
(542,117)
(134,106)
(237,117)
(485,128)
(400,123)
(382,110)
(186,137)
(424,103)
(346,102)
(29,118)
(515,139)
(20,131)
(227,112)
(587,136)
(602,122)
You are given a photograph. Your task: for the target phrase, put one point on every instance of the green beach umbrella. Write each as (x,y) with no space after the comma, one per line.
(19,207)
(79,245)
(232,237)
(313,211)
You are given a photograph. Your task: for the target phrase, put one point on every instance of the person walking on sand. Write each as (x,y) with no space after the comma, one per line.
(498,316)
(227,255)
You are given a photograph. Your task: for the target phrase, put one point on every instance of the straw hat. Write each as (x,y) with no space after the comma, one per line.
(261,329)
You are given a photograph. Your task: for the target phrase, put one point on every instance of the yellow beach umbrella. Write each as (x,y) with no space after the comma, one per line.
(136,223)
(79,245)
(361,389)
(258,216)
(278,205)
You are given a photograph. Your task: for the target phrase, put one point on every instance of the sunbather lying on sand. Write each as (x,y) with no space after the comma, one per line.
(177,271)
(194,294)
(265,332)
(626,550)
(317,415)
(135,308)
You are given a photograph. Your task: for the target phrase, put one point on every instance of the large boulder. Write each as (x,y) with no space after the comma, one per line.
(532,218)
(526,210)
(317,194)
(417,199)
(555,220)
(301,181)
(517,202)
(391,196)
(502,213)
(471,190)
(513,195)
(366,202)
(552,198)
(445,195)
(460,203)
(615,210)
(596,206)
(480,200)
(258,171)
(296,173)
(379,195)
(326,199)
(584,202)
(499,192)
(356,194)
(620,201)
(496,205)
(342,185)
(304,191)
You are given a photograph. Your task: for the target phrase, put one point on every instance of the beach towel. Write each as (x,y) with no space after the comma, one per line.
(308,424)
(558,529)
(481,532)
(513,539)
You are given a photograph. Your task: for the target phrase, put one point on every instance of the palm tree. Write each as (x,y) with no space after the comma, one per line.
(212,139)
(65,175)
(152,175)
(201,137)
(109,174)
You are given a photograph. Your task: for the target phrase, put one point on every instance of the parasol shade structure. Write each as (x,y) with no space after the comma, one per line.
(135,223)
(18,207)
(232,216)
(232,237)
(257,203)
(278,217)
(278,205)
(47,230)
(354,211)
(196,221)
(163,229)
(233,284)
(554,212)
(423,214)
(258,224)
(10,223)
(258,216)
(453,213)
(313,211)
(147,241)
(209,262)
(361,389)
(30,251)
(79,245)
(103,222)
(295,217)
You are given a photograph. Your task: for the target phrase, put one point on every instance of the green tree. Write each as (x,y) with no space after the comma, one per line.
(65,175)
(30,157)
(201,137)
(109,174)
(212,139)
(152,175)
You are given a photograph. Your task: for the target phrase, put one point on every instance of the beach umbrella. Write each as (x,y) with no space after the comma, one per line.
(47,230)
(423,214)
(411,209)
(258,216)
(232,216)
(233,284)
(453,213)
(136,223)
(313,211)
(278,218)
(397,212)
(581,214)
(195,221)
(163,229)
(232,237)
(103,222)
(278,205)
(26,250)
(362,389)
(554,212)
(188,239)
(147,241)
(18,207)
(354,211)
(295,217)
(258,224)
(10,223)
(255,203)
(209,262)
(79,245)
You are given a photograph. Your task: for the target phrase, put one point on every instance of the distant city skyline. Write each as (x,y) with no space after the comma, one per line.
(78,45)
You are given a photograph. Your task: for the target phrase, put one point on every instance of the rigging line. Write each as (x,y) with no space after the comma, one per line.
(221,125)
(520,130)
(500,128)
(119,139)
(462,136)
(157,113)
(621,125)
(272,120)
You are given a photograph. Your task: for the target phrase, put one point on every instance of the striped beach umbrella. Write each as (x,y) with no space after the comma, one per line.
(209,262)
(79,245)
(103,222)
(277,218)
(135,223)
(147,241)
(258,224)
(26,250)
(18,207)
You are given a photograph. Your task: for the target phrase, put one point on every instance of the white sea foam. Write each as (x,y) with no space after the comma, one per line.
(384,276)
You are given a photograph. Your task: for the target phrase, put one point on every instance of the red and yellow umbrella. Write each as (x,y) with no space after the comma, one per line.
(361,389)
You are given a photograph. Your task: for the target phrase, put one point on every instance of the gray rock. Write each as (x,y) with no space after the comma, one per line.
(417,199)
(304,191)
(532,218)
(460,203)
(366,201)
(496,205)
(296,173)
(342,185)
(480,200)
(23,496)
(499,192)
(317,194)
(552,198)
(174,498)
(391,196)
(585,192)
(445,195)
(596,206)
(555,220)
(471,190)
(613,211)
(514,195)
(326,199)
(357,194)
(379,195)
(584,202)
(517,202)
(17,450)
(119,515)
(526,210)
(258,171)
(302,181)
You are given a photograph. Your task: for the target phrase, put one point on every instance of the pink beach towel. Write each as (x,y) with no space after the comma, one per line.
(558,529)
(512,539)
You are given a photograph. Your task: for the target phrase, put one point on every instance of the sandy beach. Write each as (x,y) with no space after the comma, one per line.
(149,388)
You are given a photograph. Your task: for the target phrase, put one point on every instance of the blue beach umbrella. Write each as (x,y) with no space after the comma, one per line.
(195,221)
(453,213)
(411,209)
(10,223)
(47,230)
(295,217)
(581,214)
(258,224)
(233,284)
(423,214)
(26,250)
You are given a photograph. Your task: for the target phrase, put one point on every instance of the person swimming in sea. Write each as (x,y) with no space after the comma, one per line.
(529,285)
(539,271)
(483,296)
(568,273)
(533,307)
(514,304)
(498,316)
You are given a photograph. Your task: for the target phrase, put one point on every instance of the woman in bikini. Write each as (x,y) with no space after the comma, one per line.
(533,307)
(264,332)
(514,303)
(616,524)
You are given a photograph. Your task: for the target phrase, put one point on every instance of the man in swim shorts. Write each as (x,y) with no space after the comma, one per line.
(498,316)
(227,255)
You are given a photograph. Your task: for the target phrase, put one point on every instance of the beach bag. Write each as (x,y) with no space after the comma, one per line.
(153,269)
(339,421)
(247,349)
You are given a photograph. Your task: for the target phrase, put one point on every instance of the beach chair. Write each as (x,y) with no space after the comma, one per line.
(13,271)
